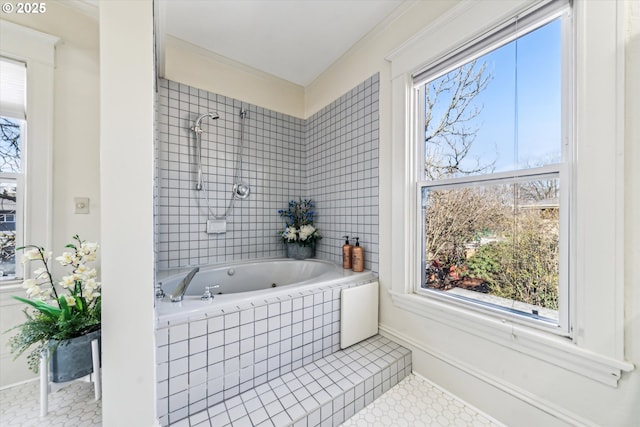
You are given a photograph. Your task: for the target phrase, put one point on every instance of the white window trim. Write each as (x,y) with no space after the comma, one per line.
(596,350)
(37,50)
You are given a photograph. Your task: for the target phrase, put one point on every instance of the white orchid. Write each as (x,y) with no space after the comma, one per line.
(67,282)
(33,291)
(67,258)
(67,309)
(31,255)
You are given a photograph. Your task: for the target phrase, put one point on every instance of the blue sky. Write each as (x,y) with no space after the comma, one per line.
(538,74)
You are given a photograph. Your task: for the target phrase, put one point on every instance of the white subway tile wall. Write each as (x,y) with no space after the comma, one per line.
(331,157)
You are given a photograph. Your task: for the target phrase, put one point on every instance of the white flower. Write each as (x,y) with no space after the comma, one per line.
(39,272)
(290,233)
(306,231)
(66,258)
(71,301)
(89,250)
(67,282)
(33,291)
(90,295)
(29,283)
(90,284)
(31,255)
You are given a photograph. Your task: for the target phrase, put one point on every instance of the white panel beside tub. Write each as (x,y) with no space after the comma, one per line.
(358,313)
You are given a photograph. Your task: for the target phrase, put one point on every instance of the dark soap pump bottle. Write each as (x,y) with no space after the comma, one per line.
(346,253)
(357,257)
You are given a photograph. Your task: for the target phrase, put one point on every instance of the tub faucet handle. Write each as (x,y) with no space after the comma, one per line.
(159,292)
(208,293)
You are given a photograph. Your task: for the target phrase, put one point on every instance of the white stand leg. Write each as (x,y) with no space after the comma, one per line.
(97,378)
(44,384)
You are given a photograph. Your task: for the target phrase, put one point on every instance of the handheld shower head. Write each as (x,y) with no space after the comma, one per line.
(196,126)
(198,131)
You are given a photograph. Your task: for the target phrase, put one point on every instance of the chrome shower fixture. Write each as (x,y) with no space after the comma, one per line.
(240,189)
(198,131)
(196,126)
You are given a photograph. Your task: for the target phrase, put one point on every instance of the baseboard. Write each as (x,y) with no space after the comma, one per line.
(516,392)
(19,383)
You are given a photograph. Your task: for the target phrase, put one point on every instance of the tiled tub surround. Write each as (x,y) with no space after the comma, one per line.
(325,392)
(273,165)
(208,357)
(331,157)
(342,171)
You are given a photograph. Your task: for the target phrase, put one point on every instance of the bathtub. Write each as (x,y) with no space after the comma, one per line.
(244,283)
(210,351)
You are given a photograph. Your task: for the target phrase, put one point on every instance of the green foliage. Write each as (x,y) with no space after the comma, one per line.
(523,267)
(485,263)
(65,316)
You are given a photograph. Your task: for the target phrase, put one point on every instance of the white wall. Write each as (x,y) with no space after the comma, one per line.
(126,163)
(194,66)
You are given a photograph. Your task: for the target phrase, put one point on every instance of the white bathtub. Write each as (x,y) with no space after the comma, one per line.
(244,283)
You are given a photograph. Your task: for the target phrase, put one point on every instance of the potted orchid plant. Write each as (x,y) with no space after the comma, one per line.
(299,234)
(59,313)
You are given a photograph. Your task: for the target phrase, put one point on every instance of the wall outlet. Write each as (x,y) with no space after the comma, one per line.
(216,226)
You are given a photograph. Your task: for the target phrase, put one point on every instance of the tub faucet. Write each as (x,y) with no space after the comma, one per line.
(178,292)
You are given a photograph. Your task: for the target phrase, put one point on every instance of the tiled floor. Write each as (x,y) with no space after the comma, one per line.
(413,402)
(72,406)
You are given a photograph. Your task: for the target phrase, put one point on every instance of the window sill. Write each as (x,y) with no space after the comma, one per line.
(547,347)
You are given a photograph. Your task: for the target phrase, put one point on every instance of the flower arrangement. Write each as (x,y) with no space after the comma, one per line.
(299,223)
(58,315)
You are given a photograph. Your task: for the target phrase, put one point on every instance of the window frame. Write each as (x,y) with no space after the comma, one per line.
(17,112)
(490,41)
(596,349)
(37,51)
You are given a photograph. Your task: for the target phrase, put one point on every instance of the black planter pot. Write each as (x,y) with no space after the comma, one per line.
(71,359)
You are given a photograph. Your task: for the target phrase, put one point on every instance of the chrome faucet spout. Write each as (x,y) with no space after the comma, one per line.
(178,293)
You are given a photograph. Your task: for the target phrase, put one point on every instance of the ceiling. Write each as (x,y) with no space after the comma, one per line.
(295,40)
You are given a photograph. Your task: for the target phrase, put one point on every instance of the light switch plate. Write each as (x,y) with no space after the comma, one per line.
(81,205)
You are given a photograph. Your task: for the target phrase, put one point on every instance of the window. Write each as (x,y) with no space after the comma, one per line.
(27,59)
(12,125)
(591,193)
(494,168)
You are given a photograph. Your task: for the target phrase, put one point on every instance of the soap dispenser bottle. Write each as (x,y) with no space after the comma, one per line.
(357,257)
(346,253)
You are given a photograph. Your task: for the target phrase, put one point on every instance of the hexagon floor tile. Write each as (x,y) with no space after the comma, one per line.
(72,406)
(413,402)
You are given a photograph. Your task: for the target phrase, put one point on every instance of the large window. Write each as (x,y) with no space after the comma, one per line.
(12,126)
(495,144)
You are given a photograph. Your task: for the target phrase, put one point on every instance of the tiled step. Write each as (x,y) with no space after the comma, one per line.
(322,393)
